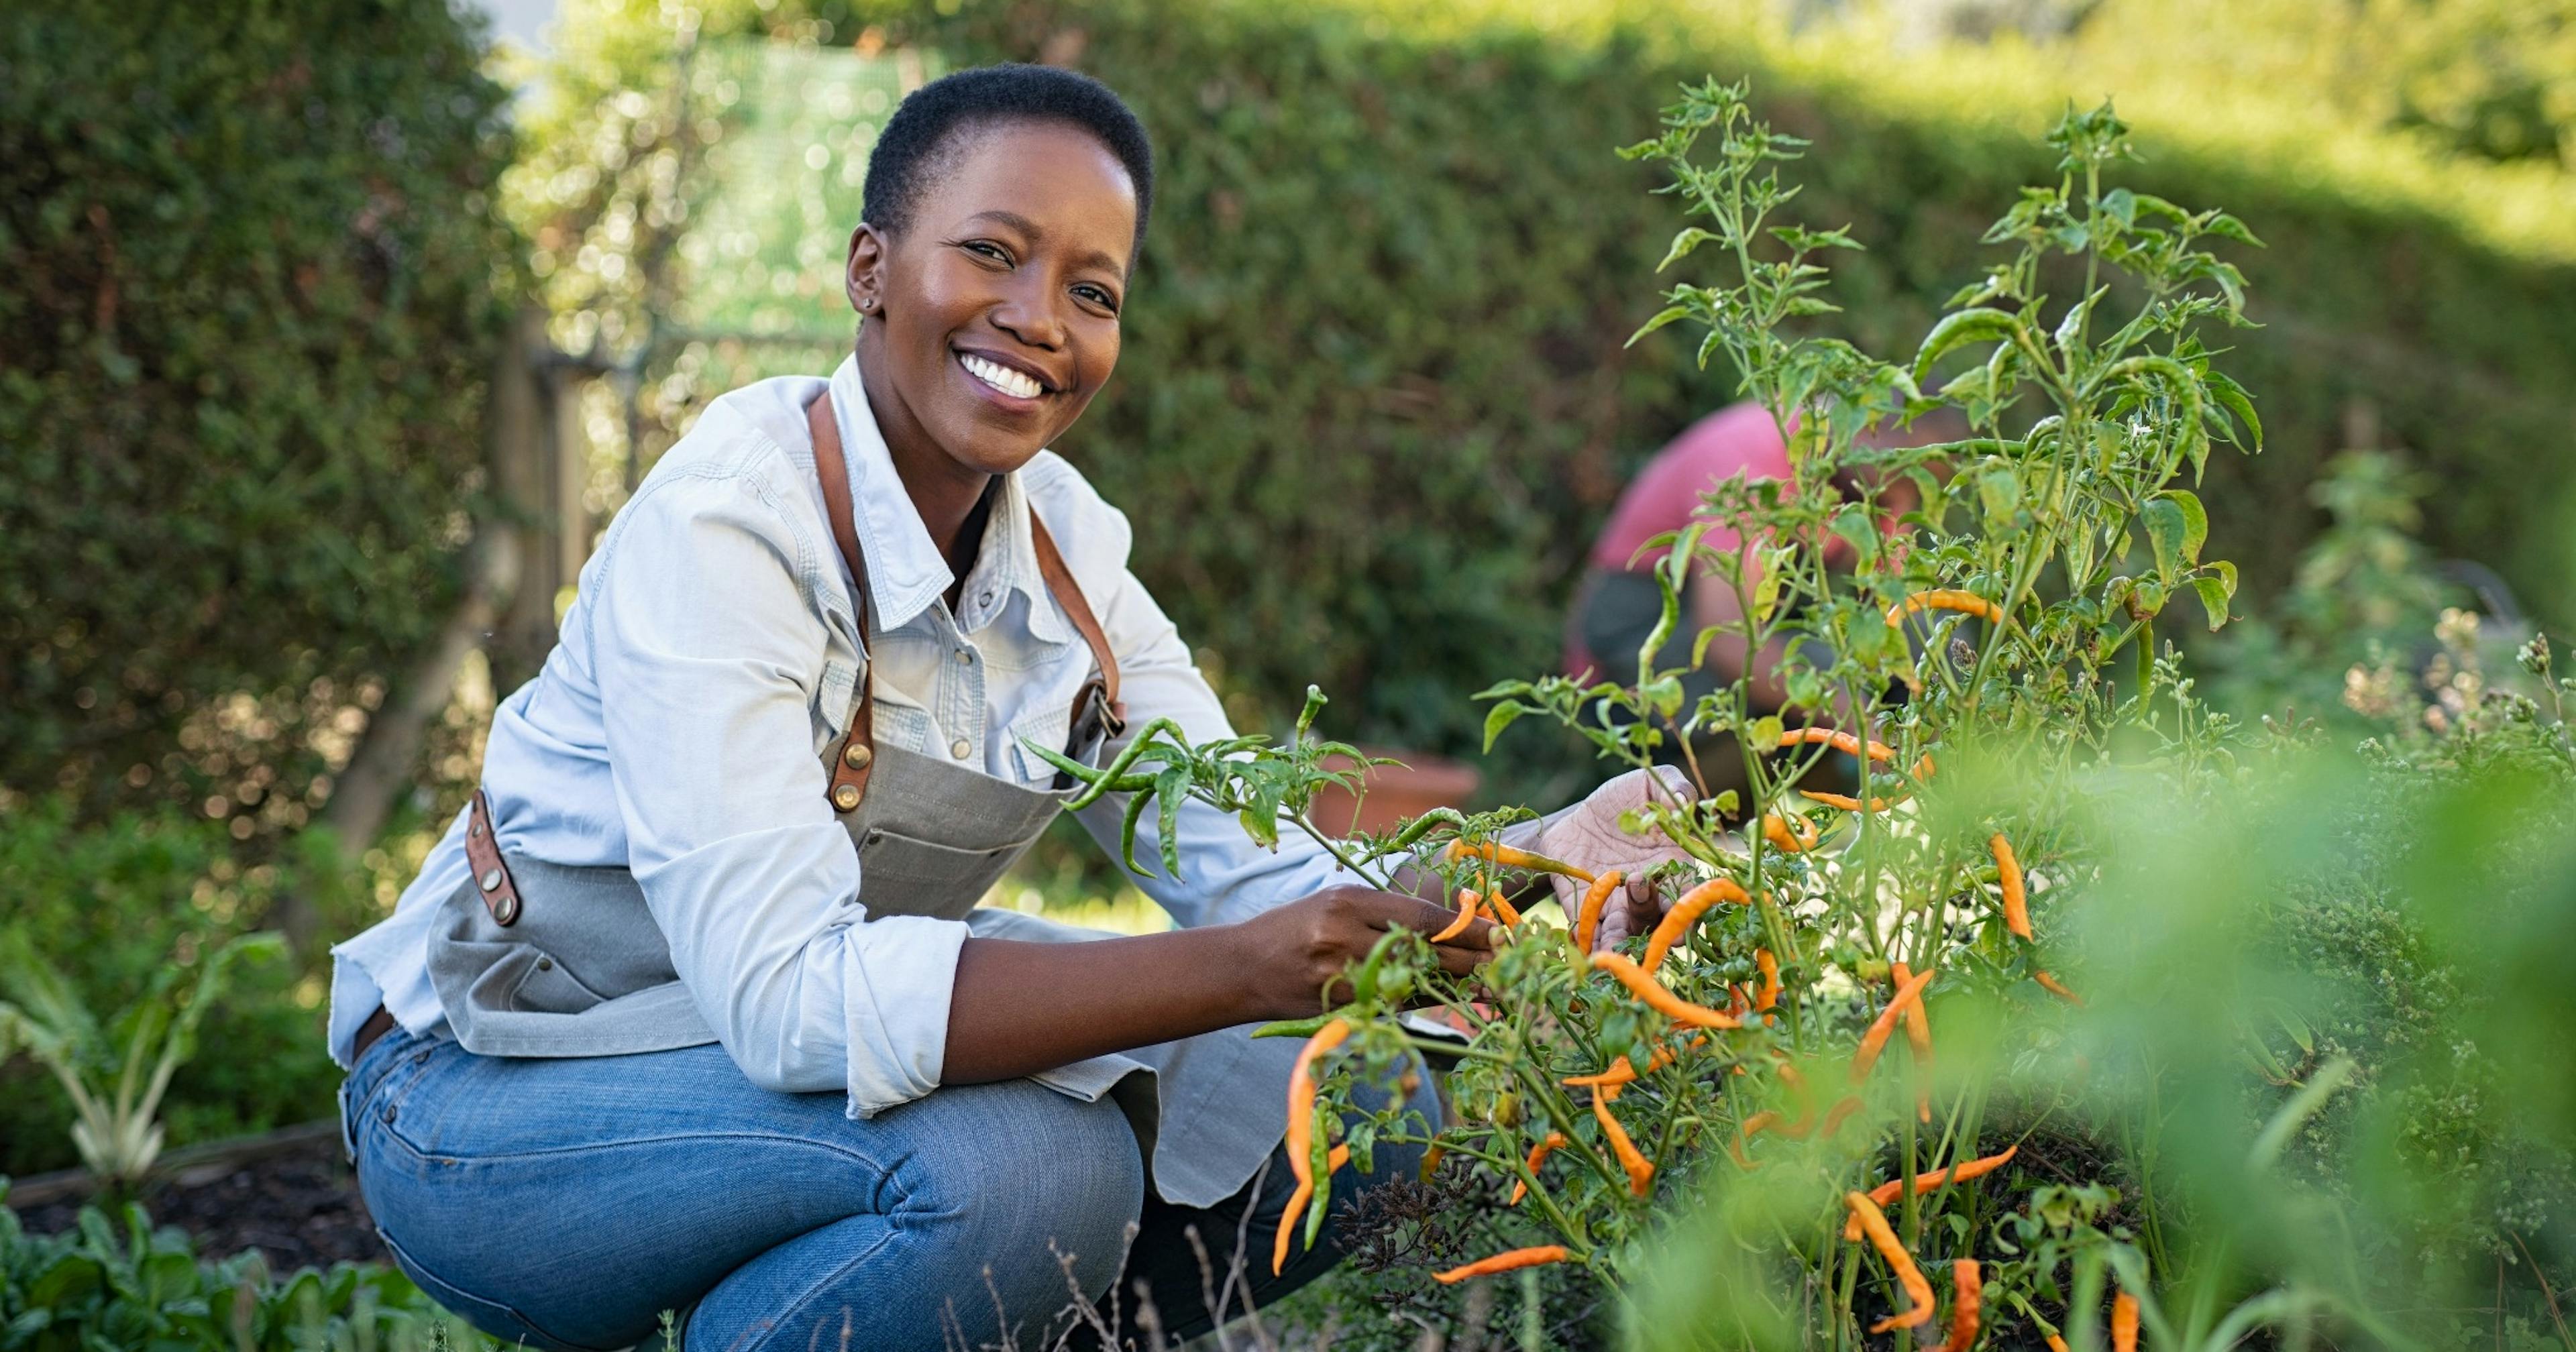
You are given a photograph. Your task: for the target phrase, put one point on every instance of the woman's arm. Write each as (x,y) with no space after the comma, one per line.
(1023,1007)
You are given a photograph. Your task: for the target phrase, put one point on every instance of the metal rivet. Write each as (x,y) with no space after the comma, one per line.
(490,881)
(856,755)
(846,797)
(960,747)
(506,911)
(474,828)
(987,598)
(545,964)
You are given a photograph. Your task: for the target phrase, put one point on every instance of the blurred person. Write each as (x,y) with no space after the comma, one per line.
(1617,603)
(694,1009)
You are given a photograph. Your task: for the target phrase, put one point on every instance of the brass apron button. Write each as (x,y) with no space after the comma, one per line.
(857,756)
(846,797)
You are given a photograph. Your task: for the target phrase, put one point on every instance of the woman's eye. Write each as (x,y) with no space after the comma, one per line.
(1098,297)
(988,249)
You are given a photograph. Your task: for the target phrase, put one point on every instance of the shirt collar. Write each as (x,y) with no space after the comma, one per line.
(906,571)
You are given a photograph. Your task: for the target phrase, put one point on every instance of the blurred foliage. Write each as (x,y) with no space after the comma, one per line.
(254,277)
(112,908)
(1377,276)
(2494,79)
(114,1282)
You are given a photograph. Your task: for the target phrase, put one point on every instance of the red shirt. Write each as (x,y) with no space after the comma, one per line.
(1739,440)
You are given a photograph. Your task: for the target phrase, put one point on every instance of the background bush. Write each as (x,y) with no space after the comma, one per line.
(249,314)
(1374,403)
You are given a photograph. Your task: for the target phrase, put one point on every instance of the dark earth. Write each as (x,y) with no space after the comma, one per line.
(299,1207)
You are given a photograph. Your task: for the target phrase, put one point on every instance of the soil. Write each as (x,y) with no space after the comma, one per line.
(299,1207)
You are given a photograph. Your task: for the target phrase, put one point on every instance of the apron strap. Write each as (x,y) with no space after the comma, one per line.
(851,765)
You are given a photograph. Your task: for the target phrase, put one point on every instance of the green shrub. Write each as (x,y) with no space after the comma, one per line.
(249,315)
(122,1284)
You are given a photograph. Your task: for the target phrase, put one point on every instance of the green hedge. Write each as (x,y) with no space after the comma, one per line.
(1374,402)
(249,311)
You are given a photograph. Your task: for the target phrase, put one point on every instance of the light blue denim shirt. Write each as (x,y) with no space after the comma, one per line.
(709,659)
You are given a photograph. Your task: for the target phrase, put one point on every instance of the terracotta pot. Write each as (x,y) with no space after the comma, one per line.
(1396,792)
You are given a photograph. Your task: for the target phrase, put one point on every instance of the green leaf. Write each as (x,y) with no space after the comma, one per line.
(1683,243)
(2195,521)
(1980,325)
(2213,598)
(1502,716)
(1667,315)
(2174,531)
(2232,397)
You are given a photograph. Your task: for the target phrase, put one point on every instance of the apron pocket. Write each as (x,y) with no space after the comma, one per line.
(899,875)
(546,986)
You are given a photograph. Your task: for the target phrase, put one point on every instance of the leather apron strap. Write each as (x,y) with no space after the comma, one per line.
(1098,697)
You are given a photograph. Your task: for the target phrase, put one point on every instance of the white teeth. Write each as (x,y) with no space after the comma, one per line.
(1000,377)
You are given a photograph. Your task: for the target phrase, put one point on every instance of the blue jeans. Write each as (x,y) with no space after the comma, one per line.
(567,1203)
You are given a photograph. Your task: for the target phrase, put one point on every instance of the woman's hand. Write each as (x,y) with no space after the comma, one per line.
(1298,947)
(1587,835)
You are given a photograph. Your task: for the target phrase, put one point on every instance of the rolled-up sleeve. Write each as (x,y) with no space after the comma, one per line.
(1225,876)
(708,653)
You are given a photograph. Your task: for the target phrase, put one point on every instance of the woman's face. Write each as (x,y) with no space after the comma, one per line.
(993,319)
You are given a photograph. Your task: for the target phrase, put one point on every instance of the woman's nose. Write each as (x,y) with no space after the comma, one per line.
(1031,318)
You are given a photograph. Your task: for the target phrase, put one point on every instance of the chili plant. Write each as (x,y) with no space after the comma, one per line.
(1999,605)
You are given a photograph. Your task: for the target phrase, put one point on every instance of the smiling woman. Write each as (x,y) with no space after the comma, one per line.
(693,1009)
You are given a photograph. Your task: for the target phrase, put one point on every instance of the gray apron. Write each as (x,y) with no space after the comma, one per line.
(542,960)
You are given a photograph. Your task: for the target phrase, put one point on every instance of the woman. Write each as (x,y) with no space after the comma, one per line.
(693,1010)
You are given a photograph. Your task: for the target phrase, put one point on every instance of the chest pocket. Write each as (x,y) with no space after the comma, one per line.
(1046,729)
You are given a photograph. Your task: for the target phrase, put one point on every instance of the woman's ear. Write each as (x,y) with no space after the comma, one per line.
(865,279)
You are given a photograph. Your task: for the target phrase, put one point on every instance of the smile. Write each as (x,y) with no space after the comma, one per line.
(1016,384)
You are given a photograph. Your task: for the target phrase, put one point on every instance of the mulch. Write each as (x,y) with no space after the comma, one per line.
(298,1205)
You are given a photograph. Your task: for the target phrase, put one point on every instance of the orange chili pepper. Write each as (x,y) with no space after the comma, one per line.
(1641,1171)
(1296,1209)
(1789,833)
(1431,1159)
(2049,984)
(1843,1107)
(1969,1282)
(1503,1262)
(1466,917)
(1946,598)
(1685,913)
(1871,1042)
(2124,1323)
(1806,1122)
(1850,804)
(2016,900)
(1497,853)
(1894,1188)
(1503,912)
(1770,994)
(1624,1072)
(1537,1155)
(1664,1002)
(1873,1223)
(1587,921)
(2055,1343)
(1301,1117)
(1843,742)
(1918,1035)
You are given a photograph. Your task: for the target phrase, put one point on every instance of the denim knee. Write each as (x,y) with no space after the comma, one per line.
(1047,1179)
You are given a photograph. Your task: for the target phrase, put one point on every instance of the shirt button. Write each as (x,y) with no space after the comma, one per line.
(965,655)
(959,748)
(985,599)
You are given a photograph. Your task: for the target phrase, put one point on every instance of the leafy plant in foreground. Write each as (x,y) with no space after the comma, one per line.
(1990,650)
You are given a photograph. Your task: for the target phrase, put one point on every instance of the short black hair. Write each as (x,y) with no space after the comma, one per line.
(906,159)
